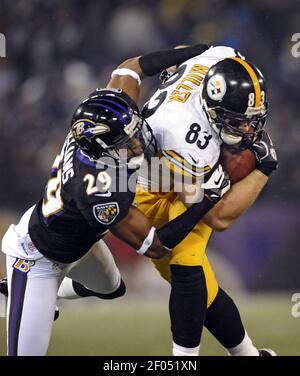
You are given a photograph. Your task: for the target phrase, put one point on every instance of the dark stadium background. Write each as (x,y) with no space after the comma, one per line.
(58,51)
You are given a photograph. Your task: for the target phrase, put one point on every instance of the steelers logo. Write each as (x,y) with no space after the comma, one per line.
(216,87)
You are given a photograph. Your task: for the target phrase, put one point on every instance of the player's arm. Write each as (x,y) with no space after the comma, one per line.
(238,199)
(136,230)
(128,75)
(243,194)
(165,74)
(133,226)
(192,181)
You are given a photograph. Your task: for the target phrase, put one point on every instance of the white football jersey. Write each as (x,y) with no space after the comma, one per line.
(177,119)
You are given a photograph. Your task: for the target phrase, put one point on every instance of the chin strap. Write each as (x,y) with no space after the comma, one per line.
(229,139)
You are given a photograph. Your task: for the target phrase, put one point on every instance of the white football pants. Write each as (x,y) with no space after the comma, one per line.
(33,283)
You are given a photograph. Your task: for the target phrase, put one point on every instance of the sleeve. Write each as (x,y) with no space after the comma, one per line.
(106,209)
(99,207)
(102,213)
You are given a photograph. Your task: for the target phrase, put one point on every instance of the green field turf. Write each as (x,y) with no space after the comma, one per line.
(137,327)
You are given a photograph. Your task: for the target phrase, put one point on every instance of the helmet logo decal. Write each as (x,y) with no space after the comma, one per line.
(216,87)
(87,129)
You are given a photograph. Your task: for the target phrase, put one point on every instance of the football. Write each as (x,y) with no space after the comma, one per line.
(237,163)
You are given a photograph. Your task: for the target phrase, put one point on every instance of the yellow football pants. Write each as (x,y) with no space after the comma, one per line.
(162,208)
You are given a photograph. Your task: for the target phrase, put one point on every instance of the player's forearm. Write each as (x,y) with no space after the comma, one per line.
(160,241)
(127,78)
(238,199)
(176,230)
(136,230)
(156,62)
(149,65)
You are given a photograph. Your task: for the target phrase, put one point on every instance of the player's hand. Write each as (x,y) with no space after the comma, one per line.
(265,154)
(216,184)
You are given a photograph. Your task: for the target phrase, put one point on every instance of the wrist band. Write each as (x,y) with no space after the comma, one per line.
(147,242)
(127,72)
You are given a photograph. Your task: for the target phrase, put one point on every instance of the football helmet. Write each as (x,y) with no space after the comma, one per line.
(234,99)
(109,122)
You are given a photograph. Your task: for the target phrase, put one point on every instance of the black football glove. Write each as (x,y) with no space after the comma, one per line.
(265,154)
(216,184)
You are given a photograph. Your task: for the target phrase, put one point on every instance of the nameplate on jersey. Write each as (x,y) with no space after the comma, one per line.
(106,213)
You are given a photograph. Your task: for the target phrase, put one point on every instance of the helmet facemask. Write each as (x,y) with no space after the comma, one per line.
(229,125)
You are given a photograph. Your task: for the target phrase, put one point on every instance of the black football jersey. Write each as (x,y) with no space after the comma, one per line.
(82,199)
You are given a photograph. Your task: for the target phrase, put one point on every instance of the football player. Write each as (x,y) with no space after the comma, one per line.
(214,98)
(217,97)
(83,199)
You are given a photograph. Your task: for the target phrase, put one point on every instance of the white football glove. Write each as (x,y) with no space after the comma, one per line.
(216,184)
(265,154)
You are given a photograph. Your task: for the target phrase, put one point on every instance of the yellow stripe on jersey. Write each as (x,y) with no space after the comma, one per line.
(253,77)
(176,169)
(183,164)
